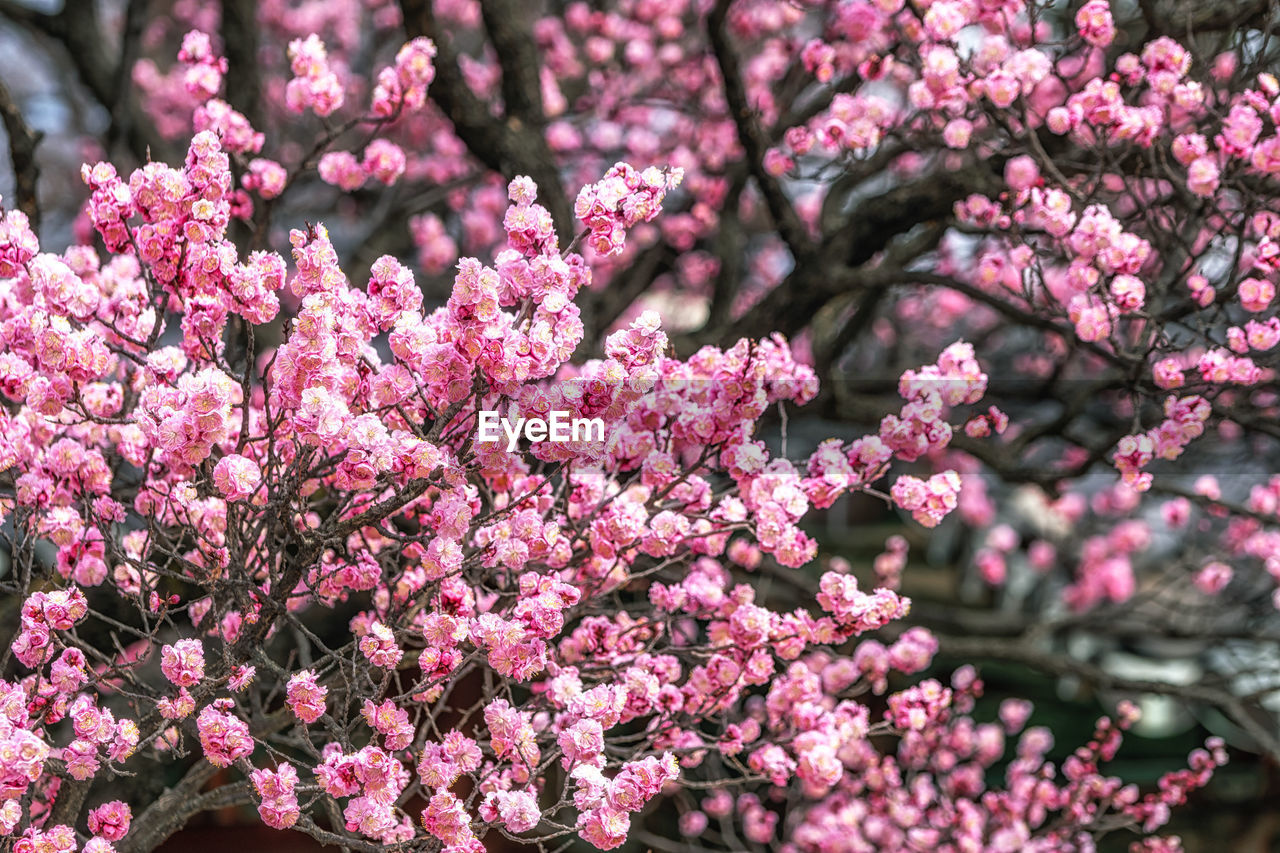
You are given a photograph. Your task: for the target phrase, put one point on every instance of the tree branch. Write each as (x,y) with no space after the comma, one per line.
(77,28)
(122,106)
(518,56)
(509,147)
(22,151)
(752,138)
(1019,650)
(240,42)
(180,803)
(169,813)
(71,796)
(26,16)
(626,287)
(868,230)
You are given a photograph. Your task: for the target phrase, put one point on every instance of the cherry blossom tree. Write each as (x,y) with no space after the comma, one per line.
(1024,253)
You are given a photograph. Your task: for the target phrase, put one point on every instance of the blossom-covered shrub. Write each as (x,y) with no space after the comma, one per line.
(254,528)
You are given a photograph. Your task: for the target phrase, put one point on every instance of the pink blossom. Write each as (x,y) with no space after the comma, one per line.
(183,663)
(223,736)
(1256,294)
(1021,172)
(518,810)
(957,133)
(1213,577)
(314,84)
(265,176)
(384,160)
(305,697)
(237,477)
(343,170)
(1095,24)
(278,805)
(379,646)
(110,820)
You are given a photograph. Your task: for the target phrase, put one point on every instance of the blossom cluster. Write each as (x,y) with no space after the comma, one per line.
(315,85)
(236,496)
(332,400)
(621,199)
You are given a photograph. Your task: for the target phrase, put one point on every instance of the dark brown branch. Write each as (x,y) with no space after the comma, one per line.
(830,343)
(77,26)
(179,804)
(730,246)
(78,29)
(240,43)
(512,39)
(752,137)
(509,147)
(122,106)
(26,16)
(71,797)
(869,229)
(1179,17)
(1020,650)
(22,151)
(628,285)
(832,336)
(1022,316)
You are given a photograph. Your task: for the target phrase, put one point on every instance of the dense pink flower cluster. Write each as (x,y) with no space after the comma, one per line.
(306,697)
(18,243)
(373,779)
(183,663)
(42,615)
(404,86)
(279,803)
(315,85)
(205,69)
(855,611)
(621,199)
(241,467)
(1184,421)
(111,820)
(379,645)
(373,430)
(223,736)
(23,754)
